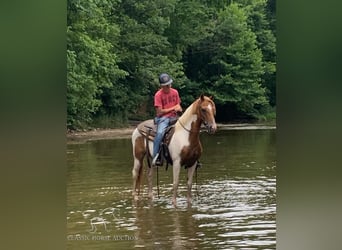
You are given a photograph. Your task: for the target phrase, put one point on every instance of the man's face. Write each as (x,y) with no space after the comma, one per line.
(166,88)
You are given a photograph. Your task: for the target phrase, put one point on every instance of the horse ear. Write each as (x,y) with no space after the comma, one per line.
(202,97)
(211,97)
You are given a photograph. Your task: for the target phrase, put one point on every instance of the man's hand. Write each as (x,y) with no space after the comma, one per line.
(178,108)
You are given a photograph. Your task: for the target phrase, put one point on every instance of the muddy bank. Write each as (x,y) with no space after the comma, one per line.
(98,134)
(101,134)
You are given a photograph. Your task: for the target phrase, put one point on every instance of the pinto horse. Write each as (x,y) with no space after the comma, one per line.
(184,146)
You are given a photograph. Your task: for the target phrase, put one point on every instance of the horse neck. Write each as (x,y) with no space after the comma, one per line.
(190,116)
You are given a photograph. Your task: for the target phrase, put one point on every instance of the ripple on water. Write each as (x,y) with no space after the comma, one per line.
(239,211)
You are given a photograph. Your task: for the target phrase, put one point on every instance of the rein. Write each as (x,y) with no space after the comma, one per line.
(189,130)
(185,127)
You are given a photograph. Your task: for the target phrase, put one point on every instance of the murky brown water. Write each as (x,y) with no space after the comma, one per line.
(234,204)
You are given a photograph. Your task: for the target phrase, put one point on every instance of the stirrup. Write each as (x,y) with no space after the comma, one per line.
(157,161)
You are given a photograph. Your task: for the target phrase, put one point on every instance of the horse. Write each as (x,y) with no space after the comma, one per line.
(184,145)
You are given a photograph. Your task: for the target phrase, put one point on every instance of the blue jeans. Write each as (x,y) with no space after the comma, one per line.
(162,123)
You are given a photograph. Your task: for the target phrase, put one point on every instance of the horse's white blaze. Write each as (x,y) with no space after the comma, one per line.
(210,107)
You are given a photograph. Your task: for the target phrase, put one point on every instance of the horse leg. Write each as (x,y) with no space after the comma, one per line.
(139,176)
(176,170)
(139,152)
(191,172)
(150,179)
(136,173)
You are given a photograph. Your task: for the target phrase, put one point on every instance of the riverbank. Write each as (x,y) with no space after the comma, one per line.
(117,133)
(98,134)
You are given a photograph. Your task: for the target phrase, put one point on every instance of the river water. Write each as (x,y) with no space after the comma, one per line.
(234,199)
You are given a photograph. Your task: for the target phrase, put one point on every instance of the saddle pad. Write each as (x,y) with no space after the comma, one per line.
(145,126)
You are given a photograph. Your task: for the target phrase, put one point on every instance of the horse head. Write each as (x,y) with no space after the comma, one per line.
(207,112)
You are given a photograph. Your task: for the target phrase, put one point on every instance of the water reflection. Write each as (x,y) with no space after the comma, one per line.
(234,208)
(159,226)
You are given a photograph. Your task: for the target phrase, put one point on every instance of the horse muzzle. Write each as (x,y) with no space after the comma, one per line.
(211,127)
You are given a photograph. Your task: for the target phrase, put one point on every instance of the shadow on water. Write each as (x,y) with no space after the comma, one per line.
(234,206)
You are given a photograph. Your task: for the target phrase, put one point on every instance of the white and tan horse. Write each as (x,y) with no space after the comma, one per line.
(185,147)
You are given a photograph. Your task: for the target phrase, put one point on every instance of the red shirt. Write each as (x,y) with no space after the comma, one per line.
(163,100)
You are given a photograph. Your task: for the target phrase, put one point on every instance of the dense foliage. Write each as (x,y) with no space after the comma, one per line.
(117,49)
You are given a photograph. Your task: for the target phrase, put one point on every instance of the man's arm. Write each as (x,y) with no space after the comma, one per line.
(161,112)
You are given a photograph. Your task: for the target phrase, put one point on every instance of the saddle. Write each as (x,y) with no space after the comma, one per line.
(148,129)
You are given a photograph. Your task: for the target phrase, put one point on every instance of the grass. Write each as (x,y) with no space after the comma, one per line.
(269,117)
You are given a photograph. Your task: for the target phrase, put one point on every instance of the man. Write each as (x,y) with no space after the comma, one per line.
(167,104)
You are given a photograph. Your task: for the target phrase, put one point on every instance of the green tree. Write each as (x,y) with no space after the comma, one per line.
(144,49)
(260,19)
(91,59)
(233,74)
(190,23)
(116,50)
